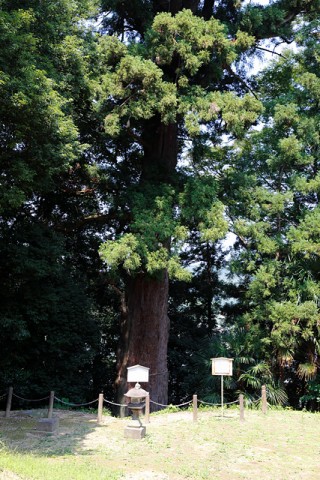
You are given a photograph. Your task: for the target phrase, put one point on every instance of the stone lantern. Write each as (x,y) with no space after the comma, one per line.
(136,397)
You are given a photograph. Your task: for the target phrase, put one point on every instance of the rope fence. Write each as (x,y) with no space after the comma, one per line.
(75,404)
(101,400)
(31,400)
(115,404)
(217,404)
(170,404)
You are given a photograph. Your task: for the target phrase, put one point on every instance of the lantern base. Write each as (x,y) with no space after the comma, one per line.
(136,432)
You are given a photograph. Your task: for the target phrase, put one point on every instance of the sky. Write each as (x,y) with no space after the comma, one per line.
(258,2)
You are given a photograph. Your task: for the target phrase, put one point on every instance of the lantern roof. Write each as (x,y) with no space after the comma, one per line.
(136,392)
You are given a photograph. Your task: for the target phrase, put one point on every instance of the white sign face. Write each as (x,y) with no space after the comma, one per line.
(137,373)
(222,366)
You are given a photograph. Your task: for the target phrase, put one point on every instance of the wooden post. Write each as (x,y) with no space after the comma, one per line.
(51,401)
(241,403)
(264,399)
(147,409)
(222,394)
(100,408)
(195,407)
(9,402)
(122,411)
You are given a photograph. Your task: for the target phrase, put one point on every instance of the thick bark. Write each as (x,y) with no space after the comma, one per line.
(160,151)
(145,331)
(207,10)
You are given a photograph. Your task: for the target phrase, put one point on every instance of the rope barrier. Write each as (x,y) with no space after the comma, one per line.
(116,404)
(217,404)
(75,404)
(125,405)
(30,400)
(231,403)
(159,404)
(254,402)
(211,404)
(170,405)
(164,372)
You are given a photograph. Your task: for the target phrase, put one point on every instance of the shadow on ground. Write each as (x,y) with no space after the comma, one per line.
(20,432)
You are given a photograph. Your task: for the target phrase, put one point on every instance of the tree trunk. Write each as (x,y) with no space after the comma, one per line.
(145,324)
(145,332)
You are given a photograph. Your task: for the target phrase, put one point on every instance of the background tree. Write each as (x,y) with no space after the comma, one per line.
(49,334)
(194,307)
(274,210)
(42,306)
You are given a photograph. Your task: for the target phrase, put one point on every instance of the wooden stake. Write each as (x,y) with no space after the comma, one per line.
(147,409)
(241,403)
(100,408)
(9,402)
(264,399)
(222,394)
(51,401)
(195,407)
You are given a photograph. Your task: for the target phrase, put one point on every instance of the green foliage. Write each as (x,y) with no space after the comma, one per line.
(258,375)
(276,222)
(39,136)
(42,307)
(137,87)
(311,399)
(48,332)
(305,238)
(169,409)
(123,253)
(191,38)
(155,220)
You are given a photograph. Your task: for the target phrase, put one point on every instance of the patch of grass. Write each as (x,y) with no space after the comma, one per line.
(281,445)
(65,467)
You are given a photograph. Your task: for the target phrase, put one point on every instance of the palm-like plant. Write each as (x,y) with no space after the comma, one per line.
(258,375)
(249,372)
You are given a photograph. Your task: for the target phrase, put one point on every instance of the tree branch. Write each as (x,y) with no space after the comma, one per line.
(87,220)
(270,51)
(243,83)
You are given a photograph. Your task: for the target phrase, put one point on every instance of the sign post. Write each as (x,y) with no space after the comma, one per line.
(222,366)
